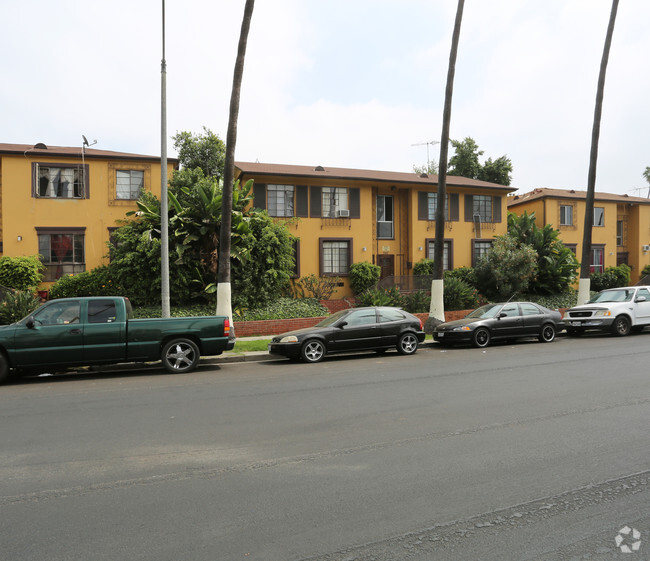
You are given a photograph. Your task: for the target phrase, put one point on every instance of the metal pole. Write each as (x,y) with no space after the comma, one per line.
(164,225)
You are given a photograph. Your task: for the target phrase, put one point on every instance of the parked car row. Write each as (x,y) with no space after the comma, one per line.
(378,329)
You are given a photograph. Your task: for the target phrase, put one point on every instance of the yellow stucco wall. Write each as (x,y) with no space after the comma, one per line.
(22,213)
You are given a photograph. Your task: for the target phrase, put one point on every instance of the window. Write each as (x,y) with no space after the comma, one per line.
(446,253)
(620,239)
(510,310)
(101,311)
(390,314)
(59,181)
(432,206)
(482,206)
(62,253)
(280,200)
(566,215)
(597,260)
(335,200)
(361,317)
(385,217)
(336,256)
(599,216)
(643,292)
(129,184)
(479,250)
(530,309)
(58,313)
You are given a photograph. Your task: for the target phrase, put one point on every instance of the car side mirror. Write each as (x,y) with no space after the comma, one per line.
(342,324)
(29,324)
(641,299)
(502,315)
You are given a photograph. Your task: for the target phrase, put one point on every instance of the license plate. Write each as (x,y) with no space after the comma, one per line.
(576,323)
(440,334)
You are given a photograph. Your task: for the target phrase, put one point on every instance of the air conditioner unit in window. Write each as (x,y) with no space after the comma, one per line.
(646,248)
(341,213)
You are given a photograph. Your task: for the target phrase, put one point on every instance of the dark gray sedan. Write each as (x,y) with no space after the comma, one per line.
(509,320)
(356,329)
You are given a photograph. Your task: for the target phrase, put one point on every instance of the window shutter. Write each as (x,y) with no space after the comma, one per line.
(469,208)
(423,205)
(302,200)
(315,202)
(453,207)
(355,202)
(496,209)
(259,196)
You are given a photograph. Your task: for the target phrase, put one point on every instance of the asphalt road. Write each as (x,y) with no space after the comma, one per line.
(525,451)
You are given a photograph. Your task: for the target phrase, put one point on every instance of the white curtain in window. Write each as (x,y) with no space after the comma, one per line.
(67,183)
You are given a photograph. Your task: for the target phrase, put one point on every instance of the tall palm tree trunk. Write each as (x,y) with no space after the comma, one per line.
(224,302)
(437,307)
(584,283)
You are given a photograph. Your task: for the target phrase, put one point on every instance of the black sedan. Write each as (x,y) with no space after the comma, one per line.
(356,329)
(510,320)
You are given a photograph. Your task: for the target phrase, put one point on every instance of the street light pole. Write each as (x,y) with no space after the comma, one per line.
(164,219)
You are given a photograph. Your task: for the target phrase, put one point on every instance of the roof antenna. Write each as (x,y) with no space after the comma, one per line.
(86,143)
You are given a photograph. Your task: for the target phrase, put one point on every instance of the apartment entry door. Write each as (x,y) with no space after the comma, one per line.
(387,264)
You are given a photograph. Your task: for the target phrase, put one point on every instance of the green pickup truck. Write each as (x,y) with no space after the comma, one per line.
(71,332)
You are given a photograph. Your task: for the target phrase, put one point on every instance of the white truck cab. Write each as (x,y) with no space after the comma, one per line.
(619,310)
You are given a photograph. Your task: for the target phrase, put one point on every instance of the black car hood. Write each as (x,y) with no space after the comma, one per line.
(303,331)
(458,323)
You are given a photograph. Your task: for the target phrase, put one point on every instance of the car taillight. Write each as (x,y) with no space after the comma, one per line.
(421,326)
(226,326)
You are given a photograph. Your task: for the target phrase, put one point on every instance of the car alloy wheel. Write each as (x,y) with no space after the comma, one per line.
(313,350)
(407,344)
(621,326)
(547,334)
(481,337)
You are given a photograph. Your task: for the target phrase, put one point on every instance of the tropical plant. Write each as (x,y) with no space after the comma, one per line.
(16,305)
(611,277)
(416,302)
(98,282)
(21,273)
(363,275)
(381,297)
(424,267)
(465,274)
(459,295)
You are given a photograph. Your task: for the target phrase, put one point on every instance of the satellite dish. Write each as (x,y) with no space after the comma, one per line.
(85,140)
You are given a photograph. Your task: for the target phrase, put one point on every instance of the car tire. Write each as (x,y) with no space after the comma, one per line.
(180,355)
(313,351)
(4,369)
(547,334)
(621,326)
(407,344)
(481,337)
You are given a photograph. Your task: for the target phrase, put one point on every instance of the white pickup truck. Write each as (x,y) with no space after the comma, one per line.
(619,310)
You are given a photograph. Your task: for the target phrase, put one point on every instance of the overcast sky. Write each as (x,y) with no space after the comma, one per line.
(352,83)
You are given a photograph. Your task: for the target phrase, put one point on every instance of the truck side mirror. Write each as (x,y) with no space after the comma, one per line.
(641,299)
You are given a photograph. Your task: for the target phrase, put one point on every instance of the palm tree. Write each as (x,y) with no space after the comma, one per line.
(224,303)
(437,307)
(585,267)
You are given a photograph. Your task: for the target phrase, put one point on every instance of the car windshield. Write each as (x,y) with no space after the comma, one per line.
(487,311)
(329,320)
(624,295)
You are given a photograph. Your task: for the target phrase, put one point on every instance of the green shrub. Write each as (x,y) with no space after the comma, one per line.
(611,277)
(98,282)
(21,273)
(645,271)
(567,299)
(312,286)
(363,275)
(466,274)
(459,295)
(17,305)
(417,302)
(285,308)
(423,267)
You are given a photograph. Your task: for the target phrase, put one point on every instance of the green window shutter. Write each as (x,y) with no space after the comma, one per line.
(469,208)
(496,209)
(423,205)
(259,196)
(302,200)
(453,207)
(355,202)
(315,202)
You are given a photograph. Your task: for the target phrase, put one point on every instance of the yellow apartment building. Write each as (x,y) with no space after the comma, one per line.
(63,202)
(621,230)
(344,216)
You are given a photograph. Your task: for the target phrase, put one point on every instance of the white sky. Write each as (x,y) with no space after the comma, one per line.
(351,83)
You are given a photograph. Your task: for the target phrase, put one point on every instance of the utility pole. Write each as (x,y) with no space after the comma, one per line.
(164,218)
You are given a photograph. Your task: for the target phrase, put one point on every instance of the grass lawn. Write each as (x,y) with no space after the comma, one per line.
(245,346)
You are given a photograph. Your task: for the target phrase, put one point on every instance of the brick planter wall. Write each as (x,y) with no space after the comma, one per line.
(276,326)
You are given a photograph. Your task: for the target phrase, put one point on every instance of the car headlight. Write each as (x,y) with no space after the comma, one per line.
(463,328)
(603,313)
(289,339)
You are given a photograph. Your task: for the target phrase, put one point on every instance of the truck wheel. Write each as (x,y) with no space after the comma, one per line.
(180,355)
(621,326)
(4,369)
(407,344)
(313,351)
(547,334)
(481,338)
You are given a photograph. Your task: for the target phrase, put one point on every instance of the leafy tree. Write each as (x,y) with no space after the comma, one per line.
(465,163)
(206,152)
(556,264)
(430,169)
(646,174)
(506,269)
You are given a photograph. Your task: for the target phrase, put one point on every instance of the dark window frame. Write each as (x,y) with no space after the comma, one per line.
(321,258)
(36,166)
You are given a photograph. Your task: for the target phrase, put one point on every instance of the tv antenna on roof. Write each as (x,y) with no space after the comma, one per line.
(86,143)
(430,143)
